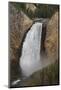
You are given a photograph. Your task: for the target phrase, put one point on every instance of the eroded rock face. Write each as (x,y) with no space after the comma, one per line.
(51,42)
(19,23)
(31,7)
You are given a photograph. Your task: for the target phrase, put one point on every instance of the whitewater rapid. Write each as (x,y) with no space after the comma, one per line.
(30,61)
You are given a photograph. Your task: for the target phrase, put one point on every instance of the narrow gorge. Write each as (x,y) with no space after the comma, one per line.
(33,46)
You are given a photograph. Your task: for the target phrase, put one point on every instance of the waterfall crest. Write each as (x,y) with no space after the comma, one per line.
(30,60)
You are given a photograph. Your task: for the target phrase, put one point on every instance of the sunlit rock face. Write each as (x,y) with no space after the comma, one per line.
(51,40)
(30,61)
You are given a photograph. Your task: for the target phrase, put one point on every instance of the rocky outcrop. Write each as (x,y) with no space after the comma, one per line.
(19,23)
(31,7)
(51,42)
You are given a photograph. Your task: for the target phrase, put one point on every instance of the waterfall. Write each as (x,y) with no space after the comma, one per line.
(30,60)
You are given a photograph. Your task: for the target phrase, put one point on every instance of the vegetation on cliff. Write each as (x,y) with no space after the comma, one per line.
(37,10)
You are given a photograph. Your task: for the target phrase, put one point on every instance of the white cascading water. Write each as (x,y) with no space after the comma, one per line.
(30,61)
